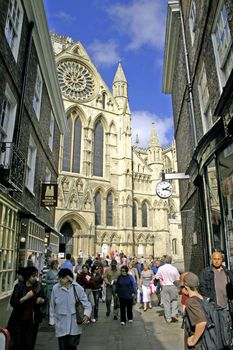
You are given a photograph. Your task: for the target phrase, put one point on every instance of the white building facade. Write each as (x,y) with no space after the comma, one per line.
(107,199)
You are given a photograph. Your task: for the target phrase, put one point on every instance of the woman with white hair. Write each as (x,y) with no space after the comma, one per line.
(62,310)
(145,281)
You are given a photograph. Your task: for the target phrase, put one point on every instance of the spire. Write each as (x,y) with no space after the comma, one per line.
(120,75)
(120,89)
(137,140)
(154,140)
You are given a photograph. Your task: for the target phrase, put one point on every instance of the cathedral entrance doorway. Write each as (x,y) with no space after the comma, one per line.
(67,232)
(77,234)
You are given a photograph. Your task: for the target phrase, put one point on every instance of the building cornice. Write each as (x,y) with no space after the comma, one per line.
(36,13)
(171,41)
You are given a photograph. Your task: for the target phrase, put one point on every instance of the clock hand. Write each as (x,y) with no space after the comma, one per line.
(166,188)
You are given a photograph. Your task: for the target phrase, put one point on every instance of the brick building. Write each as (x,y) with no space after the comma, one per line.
(31,121)
(198,62)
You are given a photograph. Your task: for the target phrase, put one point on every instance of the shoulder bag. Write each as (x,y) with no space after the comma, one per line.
(78,307)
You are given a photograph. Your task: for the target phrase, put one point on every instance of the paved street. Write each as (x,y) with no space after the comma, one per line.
(148,332)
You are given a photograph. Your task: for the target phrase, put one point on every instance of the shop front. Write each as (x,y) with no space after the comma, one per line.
(211,170)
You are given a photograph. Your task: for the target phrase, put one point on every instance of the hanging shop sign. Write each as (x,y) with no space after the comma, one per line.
(49,193)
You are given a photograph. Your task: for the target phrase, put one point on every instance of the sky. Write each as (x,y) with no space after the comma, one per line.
(130,31)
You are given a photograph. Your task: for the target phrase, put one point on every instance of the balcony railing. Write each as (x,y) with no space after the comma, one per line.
(12,167)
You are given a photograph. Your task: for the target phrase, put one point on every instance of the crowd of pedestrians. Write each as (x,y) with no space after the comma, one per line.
(120,283)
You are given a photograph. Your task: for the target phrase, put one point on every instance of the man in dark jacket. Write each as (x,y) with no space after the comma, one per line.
(216,284)
(216,281)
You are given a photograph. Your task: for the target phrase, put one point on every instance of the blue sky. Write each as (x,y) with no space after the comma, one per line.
(132,31)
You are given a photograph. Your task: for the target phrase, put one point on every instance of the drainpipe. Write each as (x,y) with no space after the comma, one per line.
(189,84)
(23,88)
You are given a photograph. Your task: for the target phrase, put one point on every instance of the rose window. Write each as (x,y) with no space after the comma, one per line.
(76,81)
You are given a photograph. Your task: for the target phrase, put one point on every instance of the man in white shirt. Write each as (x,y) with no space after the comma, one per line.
(168,274)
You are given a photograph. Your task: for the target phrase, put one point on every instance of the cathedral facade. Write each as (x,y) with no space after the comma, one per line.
(106,196)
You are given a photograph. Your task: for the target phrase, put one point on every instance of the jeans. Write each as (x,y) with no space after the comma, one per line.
(96,295)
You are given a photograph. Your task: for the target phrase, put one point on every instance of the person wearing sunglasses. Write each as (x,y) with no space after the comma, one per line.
(126,289)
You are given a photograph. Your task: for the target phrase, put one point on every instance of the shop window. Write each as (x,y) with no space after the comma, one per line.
(13,26)
(38,93)
(192,20)
(222,43)
(31,165)
(225,161)
(204,100)
(217,235)
(8,223)
(32,250)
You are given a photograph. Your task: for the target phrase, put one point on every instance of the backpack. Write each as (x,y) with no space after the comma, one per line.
(211,338)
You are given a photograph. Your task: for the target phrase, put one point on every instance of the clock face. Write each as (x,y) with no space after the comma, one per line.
(76,81)
(164,189)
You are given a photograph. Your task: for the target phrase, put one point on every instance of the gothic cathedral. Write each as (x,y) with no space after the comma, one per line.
(106,196)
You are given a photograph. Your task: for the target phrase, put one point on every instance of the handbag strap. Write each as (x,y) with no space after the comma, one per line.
(75,294)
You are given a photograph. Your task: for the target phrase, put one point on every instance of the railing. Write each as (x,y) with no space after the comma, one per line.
(12,167)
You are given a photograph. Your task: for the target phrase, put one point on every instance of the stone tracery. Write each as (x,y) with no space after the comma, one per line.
(76,81)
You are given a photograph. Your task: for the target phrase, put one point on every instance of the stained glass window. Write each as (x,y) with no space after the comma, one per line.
(77,145)
(109,210)
(72,150)
(67,146)
(97,209)
(134,214)
(98,150)
(144,215)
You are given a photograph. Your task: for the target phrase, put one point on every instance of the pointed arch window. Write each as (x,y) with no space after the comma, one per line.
(77,145)
(98,150)
(104,100)
(109,210)
(72,144)
(134,214)
(174,246)
(144,215)
(98,209)
(67,146)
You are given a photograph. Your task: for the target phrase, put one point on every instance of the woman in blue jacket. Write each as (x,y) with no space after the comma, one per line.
(126,289)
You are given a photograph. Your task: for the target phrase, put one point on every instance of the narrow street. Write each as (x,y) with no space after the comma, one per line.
(149,331)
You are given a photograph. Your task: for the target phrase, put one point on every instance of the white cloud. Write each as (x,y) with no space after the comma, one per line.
(142,21)
(104,53)
(142,125)
(63,16)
